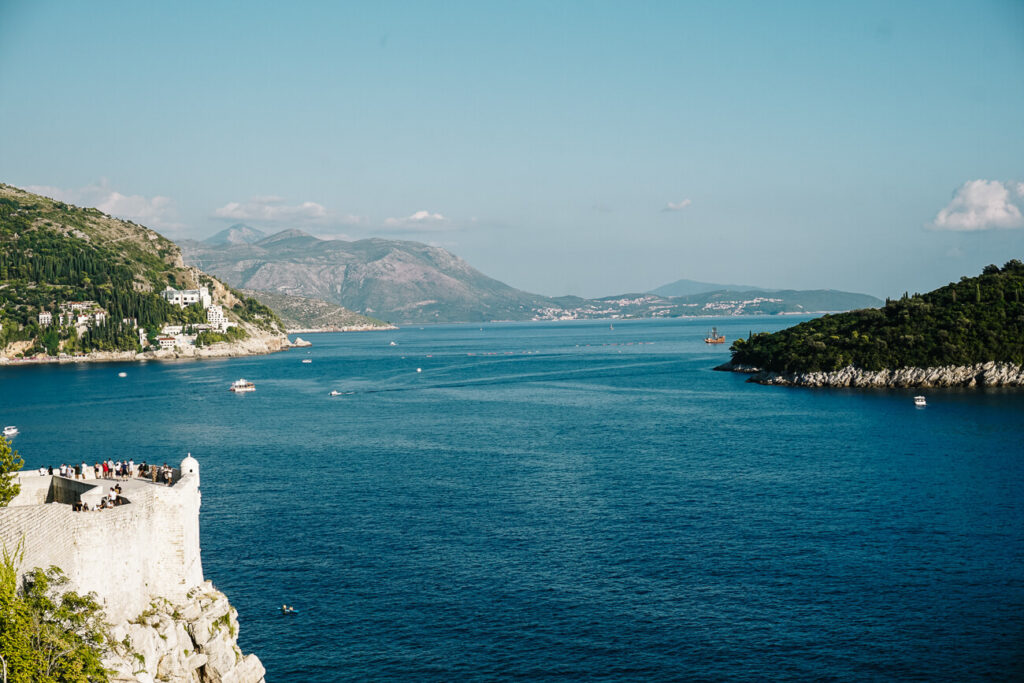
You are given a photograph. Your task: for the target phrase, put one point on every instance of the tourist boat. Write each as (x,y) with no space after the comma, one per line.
(715,338)
(307,360)
(241,385)
(920,401)
(10,430)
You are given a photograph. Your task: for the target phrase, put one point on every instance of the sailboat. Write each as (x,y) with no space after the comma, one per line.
(715,338)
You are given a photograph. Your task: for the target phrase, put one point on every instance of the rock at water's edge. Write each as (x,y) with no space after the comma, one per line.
(193,642)
(991,374)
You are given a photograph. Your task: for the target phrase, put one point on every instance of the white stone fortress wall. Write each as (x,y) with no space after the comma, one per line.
(128,555)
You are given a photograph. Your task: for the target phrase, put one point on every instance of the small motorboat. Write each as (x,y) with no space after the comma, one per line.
(307,360)
(335,392)
(10,430)
(122,374)
(920,401)
(241,386)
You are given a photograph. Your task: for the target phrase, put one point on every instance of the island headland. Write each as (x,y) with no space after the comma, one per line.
(966,334)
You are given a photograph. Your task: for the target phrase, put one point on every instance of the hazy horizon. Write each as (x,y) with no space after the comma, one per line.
(577,148)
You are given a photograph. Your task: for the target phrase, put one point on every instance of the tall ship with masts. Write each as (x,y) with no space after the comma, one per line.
(714,337)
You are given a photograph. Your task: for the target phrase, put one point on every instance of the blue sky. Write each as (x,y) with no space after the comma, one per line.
(589,148)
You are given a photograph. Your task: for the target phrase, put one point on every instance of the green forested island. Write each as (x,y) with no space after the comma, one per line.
(976,320)
(75,280)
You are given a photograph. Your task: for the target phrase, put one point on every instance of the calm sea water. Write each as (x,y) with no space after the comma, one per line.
(568,501)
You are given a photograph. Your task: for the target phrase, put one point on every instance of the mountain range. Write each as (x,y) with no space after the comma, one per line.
(393,280)
(410,282)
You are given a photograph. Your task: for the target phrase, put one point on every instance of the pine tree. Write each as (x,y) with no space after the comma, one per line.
(10,462)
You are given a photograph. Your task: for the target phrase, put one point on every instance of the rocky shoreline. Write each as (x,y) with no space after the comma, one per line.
(252,346)
(991,374)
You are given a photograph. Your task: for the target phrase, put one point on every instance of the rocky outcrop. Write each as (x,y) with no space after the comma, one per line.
(251,346)
(991,374)
(194,641)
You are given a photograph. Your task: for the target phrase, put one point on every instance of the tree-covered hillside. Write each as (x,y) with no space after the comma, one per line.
(53,253)
(975,320)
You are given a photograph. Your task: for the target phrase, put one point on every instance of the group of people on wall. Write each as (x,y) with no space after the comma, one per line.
(121,470)
(111,499)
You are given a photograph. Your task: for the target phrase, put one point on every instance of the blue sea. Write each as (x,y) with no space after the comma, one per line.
(571,501)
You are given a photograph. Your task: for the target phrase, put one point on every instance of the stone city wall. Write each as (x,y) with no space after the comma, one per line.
(127,555)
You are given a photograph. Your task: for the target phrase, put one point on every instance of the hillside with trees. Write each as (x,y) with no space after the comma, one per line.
(54,254)
(976,320)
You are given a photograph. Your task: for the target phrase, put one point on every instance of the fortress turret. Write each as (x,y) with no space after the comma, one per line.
(189,466)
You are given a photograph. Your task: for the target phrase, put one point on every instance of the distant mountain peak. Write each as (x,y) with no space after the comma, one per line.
(239,233)
(291,233)
(691,287)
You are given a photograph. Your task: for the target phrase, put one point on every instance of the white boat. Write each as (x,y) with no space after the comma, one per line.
(393,343)
(920,401)
(10,430)
(241,385)
(335,392)
(122,374)
(307,360)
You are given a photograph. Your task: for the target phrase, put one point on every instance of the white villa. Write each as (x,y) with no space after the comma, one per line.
(186,297)
(45,318)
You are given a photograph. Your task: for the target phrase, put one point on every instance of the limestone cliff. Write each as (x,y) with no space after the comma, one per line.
(190,640)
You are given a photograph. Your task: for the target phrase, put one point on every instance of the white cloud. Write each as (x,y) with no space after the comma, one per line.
(982,205)
(272,210)
(420,221)
(155,212)
(677,206)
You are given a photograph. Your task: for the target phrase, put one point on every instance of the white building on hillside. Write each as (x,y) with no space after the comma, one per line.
(187,297)
(81,314)
(45,318)
(79,305)
(215,316)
